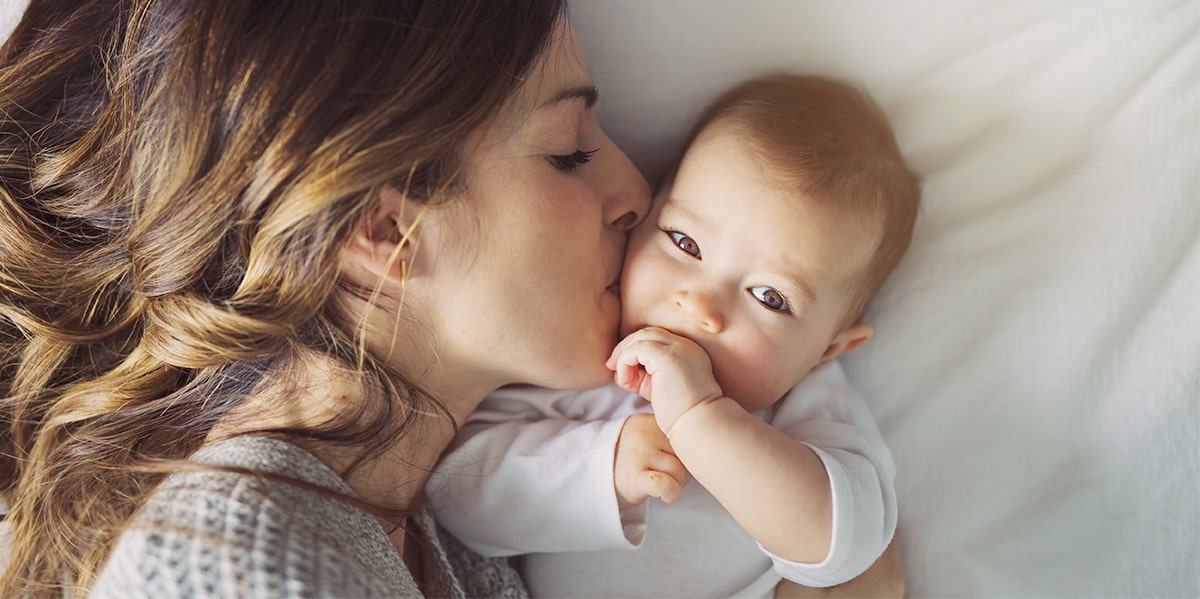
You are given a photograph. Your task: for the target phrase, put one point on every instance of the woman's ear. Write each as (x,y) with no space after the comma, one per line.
(384,243)
(846,341)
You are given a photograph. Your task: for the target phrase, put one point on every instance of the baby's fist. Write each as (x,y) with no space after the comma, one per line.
(670,370)
(645,464)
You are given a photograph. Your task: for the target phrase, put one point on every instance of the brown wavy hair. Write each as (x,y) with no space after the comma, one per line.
(176,178)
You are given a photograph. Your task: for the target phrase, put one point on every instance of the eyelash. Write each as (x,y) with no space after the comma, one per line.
(677,237)
(572,161)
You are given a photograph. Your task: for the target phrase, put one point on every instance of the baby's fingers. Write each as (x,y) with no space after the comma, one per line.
(629,367)
(627,375)
(667,463)
(659,484)
(648,335)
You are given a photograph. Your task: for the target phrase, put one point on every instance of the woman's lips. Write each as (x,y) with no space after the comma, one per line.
(614,288)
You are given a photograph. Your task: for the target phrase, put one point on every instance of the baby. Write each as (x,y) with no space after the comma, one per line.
(747,279)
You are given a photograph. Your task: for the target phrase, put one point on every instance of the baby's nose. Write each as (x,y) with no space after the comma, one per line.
(700,309)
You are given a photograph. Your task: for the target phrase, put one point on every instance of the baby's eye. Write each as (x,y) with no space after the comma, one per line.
(685,243)
(572,161)
(771,299)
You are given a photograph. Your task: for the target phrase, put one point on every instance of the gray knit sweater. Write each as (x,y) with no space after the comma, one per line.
(215,534)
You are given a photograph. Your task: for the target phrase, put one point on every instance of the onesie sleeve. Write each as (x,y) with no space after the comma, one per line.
(533,472)
(829,416)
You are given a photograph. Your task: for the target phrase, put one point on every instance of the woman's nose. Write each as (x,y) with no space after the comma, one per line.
(628,198)
(700,309)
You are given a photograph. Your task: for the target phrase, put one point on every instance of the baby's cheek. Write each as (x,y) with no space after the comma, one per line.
(753,375)
(640,291)
(632,316)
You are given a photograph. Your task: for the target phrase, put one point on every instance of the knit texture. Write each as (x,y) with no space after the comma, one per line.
(217,534)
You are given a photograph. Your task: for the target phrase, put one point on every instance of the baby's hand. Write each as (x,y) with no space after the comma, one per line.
(645,464)
(671,371)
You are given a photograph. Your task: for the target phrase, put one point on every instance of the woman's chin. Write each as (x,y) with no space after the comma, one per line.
(580,378)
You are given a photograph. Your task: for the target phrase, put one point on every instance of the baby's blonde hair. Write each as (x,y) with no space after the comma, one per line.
(827,139)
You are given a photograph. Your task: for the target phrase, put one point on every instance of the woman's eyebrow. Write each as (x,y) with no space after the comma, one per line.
(587,93)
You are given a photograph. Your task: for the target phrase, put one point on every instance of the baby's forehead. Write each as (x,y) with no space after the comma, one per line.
(734,139)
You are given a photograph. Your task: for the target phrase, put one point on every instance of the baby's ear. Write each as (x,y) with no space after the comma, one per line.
(848,340)
(385,241)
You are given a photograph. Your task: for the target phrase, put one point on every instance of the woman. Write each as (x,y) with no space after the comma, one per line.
(259,261)
(210,239)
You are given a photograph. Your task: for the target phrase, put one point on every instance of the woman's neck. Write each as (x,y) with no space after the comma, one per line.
(396,478)
(320,392)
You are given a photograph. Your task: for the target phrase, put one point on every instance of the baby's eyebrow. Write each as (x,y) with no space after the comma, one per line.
(801,284)
(675,205)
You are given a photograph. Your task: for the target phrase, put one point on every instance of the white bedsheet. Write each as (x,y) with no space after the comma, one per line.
(1036,364)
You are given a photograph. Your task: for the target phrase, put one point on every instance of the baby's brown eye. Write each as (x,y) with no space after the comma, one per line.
(685,243)
(770,298)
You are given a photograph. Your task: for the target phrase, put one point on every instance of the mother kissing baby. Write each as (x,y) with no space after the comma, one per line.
(259,265)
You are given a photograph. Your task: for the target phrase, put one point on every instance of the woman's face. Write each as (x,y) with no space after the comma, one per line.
(525,263)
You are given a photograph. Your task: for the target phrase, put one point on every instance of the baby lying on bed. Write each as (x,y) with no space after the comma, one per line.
(765,245)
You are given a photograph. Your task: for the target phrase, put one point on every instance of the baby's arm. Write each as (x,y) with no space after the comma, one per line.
(534,472)
(781,490)
(776,488)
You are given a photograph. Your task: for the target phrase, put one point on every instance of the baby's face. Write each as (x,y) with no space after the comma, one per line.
(753,274)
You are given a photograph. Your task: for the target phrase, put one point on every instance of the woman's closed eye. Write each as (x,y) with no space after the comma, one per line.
(572,161)
(771,299)
(685,244)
